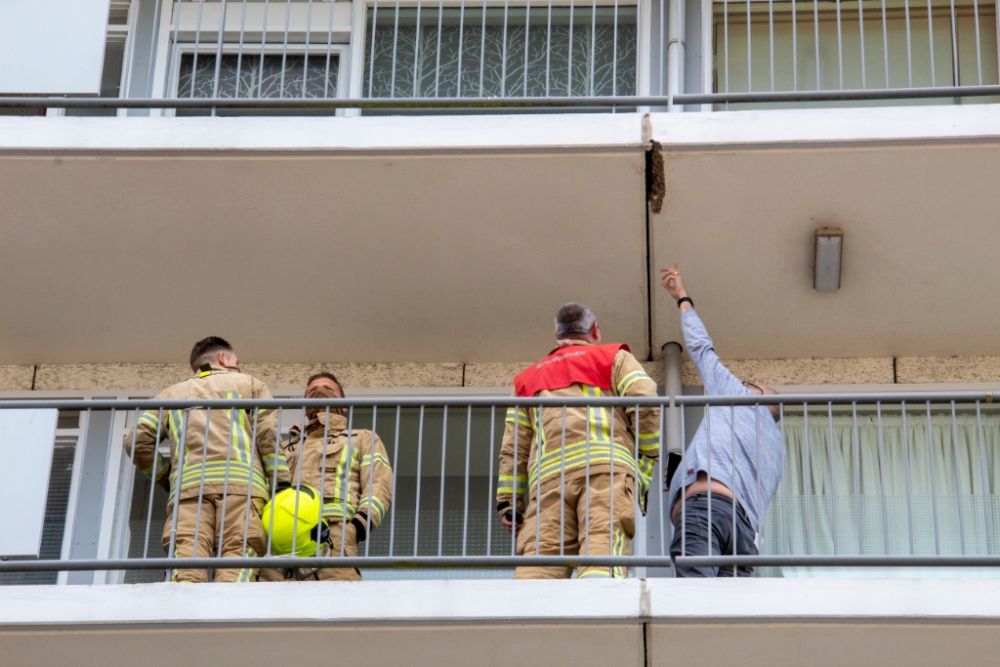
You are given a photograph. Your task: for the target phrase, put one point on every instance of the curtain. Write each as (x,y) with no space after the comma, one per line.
(870,486)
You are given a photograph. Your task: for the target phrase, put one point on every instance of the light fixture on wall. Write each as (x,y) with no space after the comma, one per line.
(829,253)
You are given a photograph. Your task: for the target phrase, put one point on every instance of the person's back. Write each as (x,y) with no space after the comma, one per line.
(218,484)
(579,464)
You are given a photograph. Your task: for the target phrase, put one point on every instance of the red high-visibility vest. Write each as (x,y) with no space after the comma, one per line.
(568,365)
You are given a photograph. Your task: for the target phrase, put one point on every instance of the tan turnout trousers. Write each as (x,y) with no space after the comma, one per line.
(569,508)
(208,526)
(325,573)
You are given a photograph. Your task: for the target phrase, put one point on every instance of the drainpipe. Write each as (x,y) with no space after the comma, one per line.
(675,51)
(672,387)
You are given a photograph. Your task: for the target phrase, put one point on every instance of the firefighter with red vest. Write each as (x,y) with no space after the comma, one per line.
(580,471)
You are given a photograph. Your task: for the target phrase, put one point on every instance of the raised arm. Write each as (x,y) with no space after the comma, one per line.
(717,379)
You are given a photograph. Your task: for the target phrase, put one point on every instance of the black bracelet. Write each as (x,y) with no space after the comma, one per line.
(683,299)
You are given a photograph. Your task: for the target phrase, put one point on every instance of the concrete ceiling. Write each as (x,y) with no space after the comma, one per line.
(405,256)
(920,229)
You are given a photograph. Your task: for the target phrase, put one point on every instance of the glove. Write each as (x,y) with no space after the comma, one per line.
(514,517)
(673,460)
(359,526)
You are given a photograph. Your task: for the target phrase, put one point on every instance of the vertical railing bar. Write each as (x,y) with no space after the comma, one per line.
(930,38)
(909,485)
(807,477)
(305,58)
(371,56)
(660,462)
(954,45)
(152,485)
(514,496)
(736,474)
(539,453)
(345,488)
(885,44)
(708,473)
(819,84)
(856,445)
(638,439)
(795,46)
(246,514)
(444,451)
(482,67)
(437,62)
(239,60)
(260,72)
(371,483)
(663,39)
(979,54)
(756,440)
(527,26)
(593,44)
(197,44)
(930,449)
(218,61)
(461,42)
(770,23)
(420,450)
(284,52)
(416,60)
(298,478)
(909,48)
(749,89)
(725,40)
(489,486)
(881,473)
(201,484)
(833,480)
(958,475)
(503,50)
(586,491)
(569,74)
(322,471)
(225,483)
(562,483)
(840,46)
(329,53)
(395,45)
(984,477)
(548,50)
(861,29)
(174,63)
(274,484)
(395,474)
(784,486)
(468,452)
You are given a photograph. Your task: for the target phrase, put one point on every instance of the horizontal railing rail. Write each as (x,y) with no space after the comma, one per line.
(847,480)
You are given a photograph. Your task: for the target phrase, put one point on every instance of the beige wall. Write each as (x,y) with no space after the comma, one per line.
(786,372)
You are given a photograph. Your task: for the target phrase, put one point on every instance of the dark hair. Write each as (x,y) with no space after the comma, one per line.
(574,319)
(208,346)
(328,376)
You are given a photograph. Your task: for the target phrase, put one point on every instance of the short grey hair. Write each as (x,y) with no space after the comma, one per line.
(574,319)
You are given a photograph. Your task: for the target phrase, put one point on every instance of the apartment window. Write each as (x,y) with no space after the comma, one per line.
(555,51)
(251,76)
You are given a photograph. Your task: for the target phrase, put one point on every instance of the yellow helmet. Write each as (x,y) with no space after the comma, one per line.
(284,529)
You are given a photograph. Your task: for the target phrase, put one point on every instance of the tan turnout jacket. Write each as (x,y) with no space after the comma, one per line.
(531,431)
(230,459)
(349,476)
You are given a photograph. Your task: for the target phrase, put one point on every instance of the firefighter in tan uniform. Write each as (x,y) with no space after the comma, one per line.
(219,486)
(349,468)
(583,473)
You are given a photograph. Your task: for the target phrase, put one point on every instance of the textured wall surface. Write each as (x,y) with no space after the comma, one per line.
(78,377)
(920,370)
(361,375)
(802,371)
(16,378)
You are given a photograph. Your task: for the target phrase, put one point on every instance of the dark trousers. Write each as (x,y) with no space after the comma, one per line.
(698,541)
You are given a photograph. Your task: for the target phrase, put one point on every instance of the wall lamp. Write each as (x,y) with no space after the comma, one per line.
(829,254)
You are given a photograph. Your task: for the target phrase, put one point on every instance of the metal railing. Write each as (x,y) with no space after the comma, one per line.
(899,480)
(317,56)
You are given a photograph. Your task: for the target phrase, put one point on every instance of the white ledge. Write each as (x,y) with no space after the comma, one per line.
(484,601)
(319,135)
(765,127)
